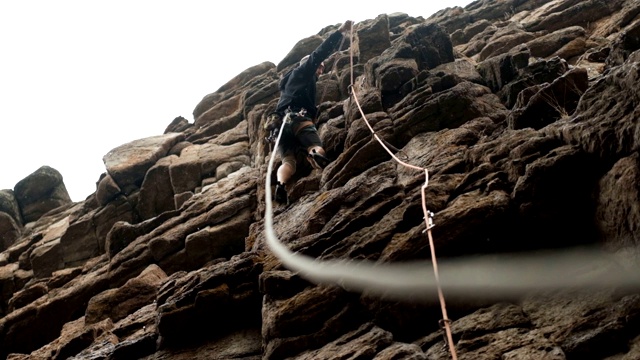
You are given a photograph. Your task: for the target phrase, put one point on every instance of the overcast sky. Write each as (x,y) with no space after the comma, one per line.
(79,78)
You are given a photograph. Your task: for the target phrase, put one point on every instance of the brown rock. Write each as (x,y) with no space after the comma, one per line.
(127,164)
(500,70)
(505,39)
(549,102)
(107,190)
(191,204)
(40,192)
(9,205)
(546,45)
(463,36)
(571,13)
(373,39)
(116,304)
(9,231)
(617,211)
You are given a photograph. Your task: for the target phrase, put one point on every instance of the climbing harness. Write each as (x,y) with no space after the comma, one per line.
(290,118)
(272,125)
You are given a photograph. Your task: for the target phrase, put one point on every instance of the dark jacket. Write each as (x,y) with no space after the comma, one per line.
(298,87)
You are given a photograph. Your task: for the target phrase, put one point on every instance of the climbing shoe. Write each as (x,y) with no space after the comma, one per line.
(281,193)
(318,160)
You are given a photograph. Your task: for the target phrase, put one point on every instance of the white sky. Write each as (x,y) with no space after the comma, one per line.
(79,78)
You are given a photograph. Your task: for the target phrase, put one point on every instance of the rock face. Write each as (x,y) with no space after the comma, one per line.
(525,114)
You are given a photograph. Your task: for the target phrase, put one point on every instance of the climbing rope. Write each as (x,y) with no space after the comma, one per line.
(428,216)
(363,275)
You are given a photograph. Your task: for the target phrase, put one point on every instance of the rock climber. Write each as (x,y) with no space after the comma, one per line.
(297,104)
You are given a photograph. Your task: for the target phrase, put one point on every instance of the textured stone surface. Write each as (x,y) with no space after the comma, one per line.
(524,113)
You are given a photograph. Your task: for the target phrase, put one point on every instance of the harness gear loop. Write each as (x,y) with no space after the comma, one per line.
(272,125)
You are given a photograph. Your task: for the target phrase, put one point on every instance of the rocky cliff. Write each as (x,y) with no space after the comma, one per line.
(526,115)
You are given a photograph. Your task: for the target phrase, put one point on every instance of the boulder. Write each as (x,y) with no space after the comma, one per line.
(9,205)
(128,164)
(40,192)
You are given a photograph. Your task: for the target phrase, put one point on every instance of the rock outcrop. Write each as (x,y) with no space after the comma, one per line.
(525,114)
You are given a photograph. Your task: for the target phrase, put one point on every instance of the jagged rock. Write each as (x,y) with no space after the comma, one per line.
(123,233)
(447,109)
(373,39)
(175,175)
(621,20)
(537,73)
(156,192)
(401,350)
(266,91)
(430,45)
(41,253)
(127,164)
(547,45)
(165,243)
(616,218)
(224,239)
(61,277)
(564,14)
(477,42)
(179,124)
(399,22)
(48,256)
(503,173)
(300,49)
(224,293)
(245,77)
(508,343)
(571,313)
(573,49)
(227,169)
(506,9)
(25,296)
(475,336)
(19,249)
(220,117)
(367,341)
(610,104)
(324,310)
(505,39)
(7,285)
(40,192)
(9,205)
(464,68)
(571,187)
(55,311)
(463,36)
(107,190)
(116,304)
(181,198)
(392,76)
(625,44)
(9,231)
(74,337)
(547,103)
(501,70)
(85,238)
